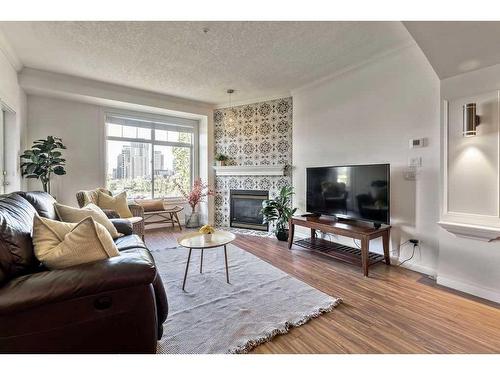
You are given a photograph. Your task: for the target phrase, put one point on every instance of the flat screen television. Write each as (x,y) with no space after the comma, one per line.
(357,192)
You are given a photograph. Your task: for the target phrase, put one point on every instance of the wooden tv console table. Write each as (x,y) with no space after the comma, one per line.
(359,231)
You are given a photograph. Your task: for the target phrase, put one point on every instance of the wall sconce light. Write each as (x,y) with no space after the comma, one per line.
(470,120)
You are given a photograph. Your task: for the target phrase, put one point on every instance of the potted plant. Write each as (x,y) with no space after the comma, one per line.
(194,197)
(220,159)
(43,160)
(279,211)
(207,231)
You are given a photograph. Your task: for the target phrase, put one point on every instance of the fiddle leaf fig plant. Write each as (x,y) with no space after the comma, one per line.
(43,160)
(279,211)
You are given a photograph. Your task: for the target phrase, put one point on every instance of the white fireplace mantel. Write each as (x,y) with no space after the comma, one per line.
(250,170)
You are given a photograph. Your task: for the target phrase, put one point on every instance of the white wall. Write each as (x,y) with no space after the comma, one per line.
(72,108)
(470,265)
(12,96)
(367,115)
(80,127)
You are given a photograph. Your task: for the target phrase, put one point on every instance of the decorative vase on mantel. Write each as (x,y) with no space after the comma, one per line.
(193,219)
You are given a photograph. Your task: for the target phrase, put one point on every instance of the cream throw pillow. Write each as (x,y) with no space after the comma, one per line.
(117,203)
(74,215)
(60,245)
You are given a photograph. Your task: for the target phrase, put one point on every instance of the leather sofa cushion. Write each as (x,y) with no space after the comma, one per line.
(43,203)
(132,268)
(16,249)
(129,242)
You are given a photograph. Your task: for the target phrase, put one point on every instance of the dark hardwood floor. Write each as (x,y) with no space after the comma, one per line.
(392,311)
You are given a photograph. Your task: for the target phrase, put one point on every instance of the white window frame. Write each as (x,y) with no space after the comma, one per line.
(2,150)
(176,123)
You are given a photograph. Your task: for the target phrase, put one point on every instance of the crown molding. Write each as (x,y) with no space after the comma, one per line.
(253,101)
(9,53)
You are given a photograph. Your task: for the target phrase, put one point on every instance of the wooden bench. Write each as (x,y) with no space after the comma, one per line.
(166,216)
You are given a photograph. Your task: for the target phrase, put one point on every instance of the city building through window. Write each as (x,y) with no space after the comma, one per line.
(149,157)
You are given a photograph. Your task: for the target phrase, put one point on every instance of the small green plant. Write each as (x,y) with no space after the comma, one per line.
(43,160)
(221,157)
(279,211)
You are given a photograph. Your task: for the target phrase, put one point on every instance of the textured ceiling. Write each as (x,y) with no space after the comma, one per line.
(257,59)
(457,47)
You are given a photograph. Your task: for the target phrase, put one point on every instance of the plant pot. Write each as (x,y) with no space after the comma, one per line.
(282,235)
(220,163)
(193,220)
(208,237)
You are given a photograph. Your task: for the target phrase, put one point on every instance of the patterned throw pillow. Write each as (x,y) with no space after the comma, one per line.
(74,215)
(117,203)
(60,245)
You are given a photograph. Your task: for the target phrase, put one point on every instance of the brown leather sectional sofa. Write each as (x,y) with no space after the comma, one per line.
(116,305)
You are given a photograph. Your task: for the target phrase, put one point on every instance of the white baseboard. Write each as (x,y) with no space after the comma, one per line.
(415,267)
(476,290)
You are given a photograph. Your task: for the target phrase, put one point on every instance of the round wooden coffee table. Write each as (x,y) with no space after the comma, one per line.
(201,241)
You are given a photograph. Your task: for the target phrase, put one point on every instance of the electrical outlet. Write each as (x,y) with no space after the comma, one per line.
(410,173)
(414,241)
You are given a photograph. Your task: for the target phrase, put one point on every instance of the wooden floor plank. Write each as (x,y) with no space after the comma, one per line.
(392,311)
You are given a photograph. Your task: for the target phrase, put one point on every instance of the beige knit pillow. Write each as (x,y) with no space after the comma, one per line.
(117,203)
(75,215)
(60,245)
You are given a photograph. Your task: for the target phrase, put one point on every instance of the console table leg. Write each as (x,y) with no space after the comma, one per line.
(364,254)
(290,234)
(385,241)
(313,233)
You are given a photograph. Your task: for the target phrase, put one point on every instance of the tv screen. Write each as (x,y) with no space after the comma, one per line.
(359,192)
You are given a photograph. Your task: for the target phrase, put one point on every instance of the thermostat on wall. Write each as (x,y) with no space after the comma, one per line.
(418,142)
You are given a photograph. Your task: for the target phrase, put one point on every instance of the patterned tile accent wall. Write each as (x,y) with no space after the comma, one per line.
(262,136)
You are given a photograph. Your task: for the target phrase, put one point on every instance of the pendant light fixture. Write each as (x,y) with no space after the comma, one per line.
(229,115)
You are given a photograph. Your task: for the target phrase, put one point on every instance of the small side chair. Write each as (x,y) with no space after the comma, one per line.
(85,197)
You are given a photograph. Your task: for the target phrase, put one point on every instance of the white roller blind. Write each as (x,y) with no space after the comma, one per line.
(167,123)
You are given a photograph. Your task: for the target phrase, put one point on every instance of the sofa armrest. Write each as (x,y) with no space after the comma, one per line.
(123,226)
(126,270)
(136,209)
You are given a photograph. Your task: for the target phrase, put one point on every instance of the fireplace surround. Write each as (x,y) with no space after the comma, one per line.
(260,145)
(245,207)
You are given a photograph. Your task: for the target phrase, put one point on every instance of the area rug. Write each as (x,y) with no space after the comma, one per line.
(212,316)
(248,232)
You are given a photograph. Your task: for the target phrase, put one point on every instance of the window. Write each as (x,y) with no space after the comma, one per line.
(2,150)
(146,157)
